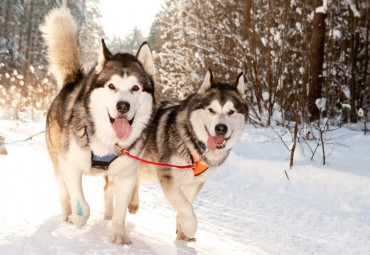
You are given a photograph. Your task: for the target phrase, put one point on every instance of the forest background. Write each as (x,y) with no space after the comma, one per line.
(303,61)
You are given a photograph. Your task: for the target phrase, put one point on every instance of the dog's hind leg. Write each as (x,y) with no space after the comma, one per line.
(133,206)
(108,198)
(190,192)
(186,219)
(53,139)
(63,192)
(144,173)
(64,196)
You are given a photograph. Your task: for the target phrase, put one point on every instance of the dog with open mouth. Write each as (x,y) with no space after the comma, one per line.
(111,104)
(200,130)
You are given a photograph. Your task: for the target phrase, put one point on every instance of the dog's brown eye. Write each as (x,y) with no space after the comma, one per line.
(231,112)
(211,110)
(111,86)
(135,88)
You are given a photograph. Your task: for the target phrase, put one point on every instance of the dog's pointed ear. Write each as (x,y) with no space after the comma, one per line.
(207,82)
(104,56)
(239,84)
(145,57)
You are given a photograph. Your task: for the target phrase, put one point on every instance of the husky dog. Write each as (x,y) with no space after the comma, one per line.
(201,130)
(111,104)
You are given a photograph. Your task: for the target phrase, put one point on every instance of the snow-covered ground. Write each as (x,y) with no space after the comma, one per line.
(248,207)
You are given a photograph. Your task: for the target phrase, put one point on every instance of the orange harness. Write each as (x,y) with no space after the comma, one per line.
(198,166)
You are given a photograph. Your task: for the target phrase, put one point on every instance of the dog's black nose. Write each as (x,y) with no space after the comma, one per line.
(123,107)
(221,129)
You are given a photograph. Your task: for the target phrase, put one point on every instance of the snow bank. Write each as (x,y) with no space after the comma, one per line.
(247,207)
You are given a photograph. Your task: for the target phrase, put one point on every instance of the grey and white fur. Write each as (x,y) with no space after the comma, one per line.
(113,103)
(207,124)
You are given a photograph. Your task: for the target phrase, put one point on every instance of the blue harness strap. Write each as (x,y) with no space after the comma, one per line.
(102,162)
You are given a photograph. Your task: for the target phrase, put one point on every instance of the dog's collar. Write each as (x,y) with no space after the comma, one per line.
(100,162)
(202,145)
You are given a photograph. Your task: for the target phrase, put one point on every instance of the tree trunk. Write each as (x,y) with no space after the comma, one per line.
(366,91)
(29,30)
(292,150)
(6,22)
(353,83)
(247,19)
(249,35)
(28,42)
(20,28)
(317,60)
(354,43)
(305,78)
(269,63)
(1,15)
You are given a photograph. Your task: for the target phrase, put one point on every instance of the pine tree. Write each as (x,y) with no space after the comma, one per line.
(24,77)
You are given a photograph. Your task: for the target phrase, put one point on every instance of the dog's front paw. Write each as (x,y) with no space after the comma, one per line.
(188,225)
(108,215)
(78,220)
(120,239)
(80,215)
(67,218)
(119,234)
(133,208)
(181,236)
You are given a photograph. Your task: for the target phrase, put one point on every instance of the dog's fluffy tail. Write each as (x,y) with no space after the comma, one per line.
(60,33)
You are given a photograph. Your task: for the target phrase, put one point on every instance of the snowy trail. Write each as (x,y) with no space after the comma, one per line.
(247,207)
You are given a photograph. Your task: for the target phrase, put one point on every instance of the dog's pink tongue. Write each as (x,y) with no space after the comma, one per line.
(213,141)
(122,128)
